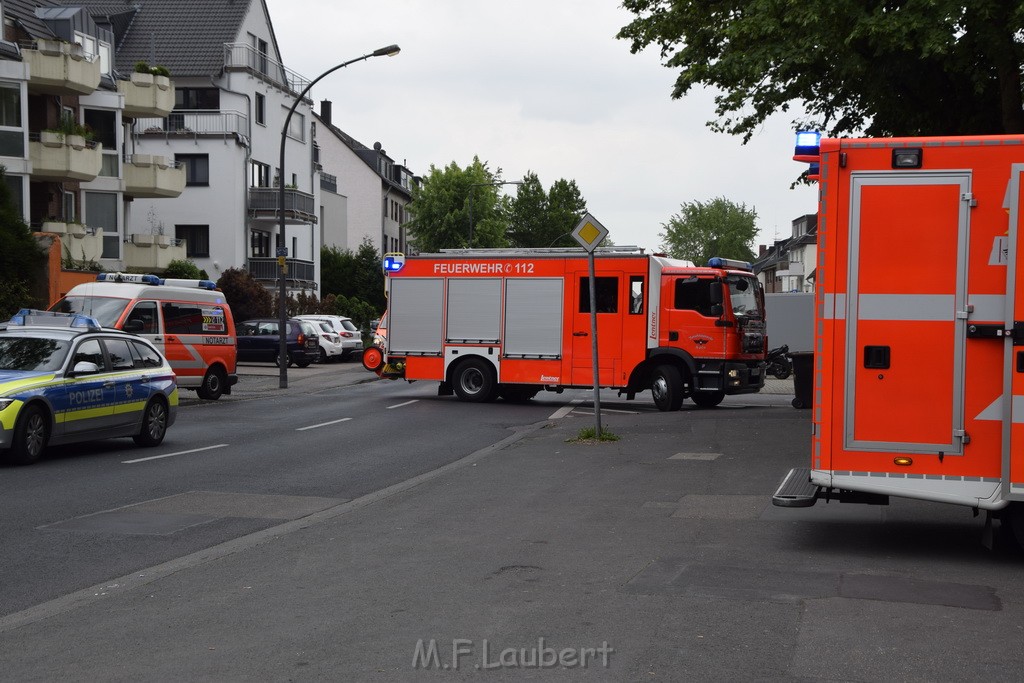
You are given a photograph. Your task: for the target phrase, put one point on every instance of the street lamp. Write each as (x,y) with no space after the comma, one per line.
(282,250)
(472,187)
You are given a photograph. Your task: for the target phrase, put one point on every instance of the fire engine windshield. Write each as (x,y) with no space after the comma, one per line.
(743,296)
(105,309)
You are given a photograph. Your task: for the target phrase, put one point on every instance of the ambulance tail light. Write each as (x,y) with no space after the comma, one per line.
(808,151)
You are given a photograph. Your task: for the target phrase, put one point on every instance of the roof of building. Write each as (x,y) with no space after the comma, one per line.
(186,36)
(23,12)
(368,155)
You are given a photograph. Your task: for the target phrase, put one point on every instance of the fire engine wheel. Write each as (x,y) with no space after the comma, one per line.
(213,385)
(154,424)
(31,433)
(474,381)
(708,399)
(667,388)
(373,358)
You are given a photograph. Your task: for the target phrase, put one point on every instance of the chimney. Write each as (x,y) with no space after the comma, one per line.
(325,111)
(761,248)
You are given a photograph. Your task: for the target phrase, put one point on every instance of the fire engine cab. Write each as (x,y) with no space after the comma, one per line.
(918,386)
(490,322)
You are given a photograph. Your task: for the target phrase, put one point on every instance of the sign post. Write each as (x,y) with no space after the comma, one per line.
(590,233)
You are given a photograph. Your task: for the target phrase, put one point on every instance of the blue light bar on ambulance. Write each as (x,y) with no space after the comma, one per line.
(808,143)
(718,262)
(29,317)
(200,284)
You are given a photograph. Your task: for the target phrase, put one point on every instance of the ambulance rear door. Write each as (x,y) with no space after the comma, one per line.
(1013,393)
(905,311)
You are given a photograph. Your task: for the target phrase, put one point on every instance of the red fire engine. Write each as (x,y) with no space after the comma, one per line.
(918,386)
(487,323)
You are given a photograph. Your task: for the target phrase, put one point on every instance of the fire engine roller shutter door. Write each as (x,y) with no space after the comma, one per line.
(906,282)
(416,315)
(474,309)
(1013,428)
(533,317)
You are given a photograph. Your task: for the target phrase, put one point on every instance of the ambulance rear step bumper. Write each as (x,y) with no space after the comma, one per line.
(797,491)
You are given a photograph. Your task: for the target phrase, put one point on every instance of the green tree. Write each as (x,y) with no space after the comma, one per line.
(452,203)
(544,219)
(884,67)
(245,295)
(716,228)
(184,269)
(21,259)
(347,274)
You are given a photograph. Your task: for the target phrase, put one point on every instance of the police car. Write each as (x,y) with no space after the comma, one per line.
(65,379)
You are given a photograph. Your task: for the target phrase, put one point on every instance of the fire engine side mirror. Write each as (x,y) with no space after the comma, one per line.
(715,292)
(716,310)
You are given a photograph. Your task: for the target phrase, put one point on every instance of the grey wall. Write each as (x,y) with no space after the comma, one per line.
(790,320)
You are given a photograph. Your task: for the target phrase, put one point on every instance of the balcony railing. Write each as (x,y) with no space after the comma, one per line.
(61,68)
(267,268)
(328,182)
(299,207)
(244,57)
(194,122)
(149,176)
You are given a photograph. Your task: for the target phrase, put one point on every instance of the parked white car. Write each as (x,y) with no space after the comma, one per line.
(330,343)
(349,335)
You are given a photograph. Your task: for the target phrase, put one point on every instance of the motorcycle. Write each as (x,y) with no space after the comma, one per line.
(779,365)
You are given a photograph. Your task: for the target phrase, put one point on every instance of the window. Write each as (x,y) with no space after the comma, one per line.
(297,126)
(145,357)
(145,312)
(636,294)
(103,124)
(259,47)
(260,244)
(694,294)
(606,289)
(259,175)
(12,135)
(197,168)
(197,98)
(101,212)
(15,184)
(120,355)
(261,109)
(69,207)
(89,351)
(197,239)
(182,318)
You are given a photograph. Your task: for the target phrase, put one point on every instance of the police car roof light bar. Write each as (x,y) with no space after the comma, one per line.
(30,317)
(718,262)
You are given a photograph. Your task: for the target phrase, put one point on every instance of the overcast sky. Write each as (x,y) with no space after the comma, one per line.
(543,87)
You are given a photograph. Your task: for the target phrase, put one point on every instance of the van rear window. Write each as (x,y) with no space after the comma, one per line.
(185,318)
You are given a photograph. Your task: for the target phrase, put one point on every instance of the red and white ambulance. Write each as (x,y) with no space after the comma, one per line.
(918,386)
(490,322)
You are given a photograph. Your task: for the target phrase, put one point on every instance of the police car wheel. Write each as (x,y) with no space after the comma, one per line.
(213,385)
(30,436)
(154,424)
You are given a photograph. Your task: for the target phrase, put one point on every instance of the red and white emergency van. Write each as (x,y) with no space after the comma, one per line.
(189,321)
(491,322)
(918,386)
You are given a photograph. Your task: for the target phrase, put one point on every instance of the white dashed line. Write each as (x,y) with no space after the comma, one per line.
(171,455)
(323,424)
(399,405)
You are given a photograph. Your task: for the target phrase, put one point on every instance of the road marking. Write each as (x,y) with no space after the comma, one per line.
(323,424)
(565,410)
(171,455)
(399,405)
(611,410)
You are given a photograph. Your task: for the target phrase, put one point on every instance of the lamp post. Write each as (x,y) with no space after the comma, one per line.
(472,187)
(281,249)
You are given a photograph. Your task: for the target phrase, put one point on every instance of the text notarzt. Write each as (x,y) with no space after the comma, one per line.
(485,655)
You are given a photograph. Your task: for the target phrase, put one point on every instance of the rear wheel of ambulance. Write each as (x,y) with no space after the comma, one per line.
(154,424)
(213,384)
(667,388)
(708,399)
(473,381)
(30,436)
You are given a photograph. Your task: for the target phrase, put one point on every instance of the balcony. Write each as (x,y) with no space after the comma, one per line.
(194,123)
(147,95)
(60,68)
(264,202)
(265,269)
(244,57)
(152,177)
(78,242)
(58,157)
(145,252)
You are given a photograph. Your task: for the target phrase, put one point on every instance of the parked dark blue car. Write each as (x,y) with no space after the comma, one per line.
(259,341)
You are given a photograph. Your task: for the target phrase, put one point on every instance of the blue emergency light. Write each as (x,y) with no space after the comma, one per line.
(808,143)
(29,317)
(393,262)
(133,278)
(719,262)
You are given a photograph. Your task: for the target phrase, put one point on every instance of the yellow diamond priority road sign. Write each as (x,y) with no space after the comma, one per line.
(589,233)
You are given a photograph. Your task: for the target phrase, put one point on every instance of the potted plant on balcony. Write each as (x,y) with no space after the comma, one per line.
(68,132)
(142,76)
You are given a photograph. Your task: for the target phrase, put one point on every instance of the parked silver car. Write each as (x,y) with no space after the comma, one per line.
(351,338)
